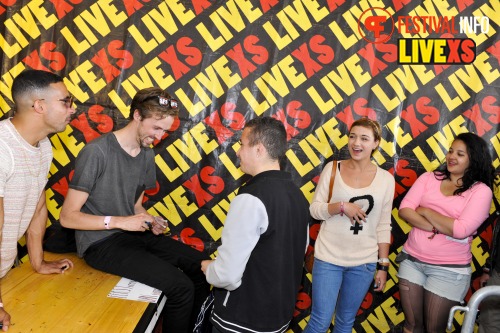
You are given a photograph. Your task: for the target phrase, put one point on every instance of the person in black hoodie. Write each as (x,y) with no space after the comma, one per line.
(257,272)
(489,319)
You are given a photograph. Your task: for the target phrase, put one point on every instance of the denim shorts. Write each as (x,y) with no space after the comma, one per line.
(436,279)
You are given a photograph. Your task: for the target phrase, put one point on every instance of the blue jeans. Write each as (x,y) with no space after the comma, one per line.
(341,288)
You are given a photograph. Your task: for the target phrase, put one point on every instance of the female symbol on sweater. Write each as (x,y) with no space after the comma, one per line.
(357,227)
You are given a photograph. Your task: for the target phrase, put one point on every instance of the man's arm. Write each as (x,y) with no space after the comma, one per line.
(138,207)
(246,220)
(34,239)
(4,316)
(72,217)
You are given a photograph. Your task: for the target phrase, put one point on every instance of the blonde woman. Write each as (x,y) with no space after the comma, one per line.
(355,234)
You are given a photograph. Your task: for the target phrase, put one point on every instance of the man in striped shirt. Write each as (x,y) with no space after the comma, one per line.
(42,106)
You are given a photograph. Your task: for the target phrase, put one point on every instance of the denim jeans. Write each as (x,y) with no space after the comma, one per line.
(439,280)
(337,288)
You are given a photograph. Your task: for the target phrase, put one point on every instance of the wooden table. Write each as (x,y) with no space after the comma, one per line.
(75,301)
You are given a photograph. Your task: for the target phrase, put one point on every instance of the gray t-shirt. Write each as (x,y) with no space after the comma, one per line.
(114,181)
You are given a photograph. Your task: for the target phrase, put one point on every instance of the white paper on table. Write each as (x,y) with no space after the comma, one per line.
(134,291)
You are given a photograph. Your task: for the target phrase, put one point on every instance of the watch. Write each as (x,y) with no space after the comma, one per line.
(383,261)
(382,268)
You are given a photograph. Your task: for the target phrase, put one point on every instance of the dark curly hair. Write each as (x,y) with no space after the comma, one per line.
(480,164)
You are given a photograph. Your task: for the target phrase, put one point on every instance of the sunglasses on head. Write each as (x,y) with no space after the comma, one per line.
(163,101)
(170,102)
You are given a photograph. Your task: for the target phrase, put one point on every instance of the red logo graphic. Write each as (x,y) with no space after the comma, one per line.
(376,25)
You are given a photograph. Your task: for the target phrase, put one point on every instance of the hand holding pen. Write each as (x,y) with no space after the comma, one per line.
(159,226)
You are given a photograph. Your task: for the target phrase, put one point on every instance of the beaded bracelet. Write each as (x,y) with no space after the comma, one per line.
(434,233)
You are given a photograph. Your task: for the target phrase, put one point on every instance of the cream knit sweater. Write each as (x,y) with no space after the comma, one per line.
(341,243)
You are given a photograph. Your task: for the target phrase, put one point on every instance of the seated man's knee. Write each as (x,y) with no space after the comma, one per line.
(181,291)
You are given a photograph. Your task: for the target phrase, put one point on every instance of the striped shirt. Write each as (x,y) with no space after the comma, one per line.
(23,176)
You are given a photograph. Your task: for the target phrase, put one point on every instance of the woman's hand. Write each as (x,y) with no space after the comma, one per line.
(380,280)
(354,212)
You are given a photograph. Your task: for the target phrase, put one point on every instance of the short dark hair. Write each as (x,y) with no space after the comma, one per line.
(271,133)
(151,101)
(480,164)
(32,80)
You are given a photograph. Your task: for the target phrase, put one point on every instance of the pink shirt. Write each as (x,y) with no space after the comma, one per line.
(469,209)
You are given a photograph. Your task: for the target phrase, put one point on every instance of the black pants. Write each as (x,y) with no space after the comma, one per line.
(162,263)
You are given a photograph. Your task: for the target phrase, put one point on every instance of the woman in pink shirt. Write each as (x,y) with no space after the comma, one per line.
(445,208)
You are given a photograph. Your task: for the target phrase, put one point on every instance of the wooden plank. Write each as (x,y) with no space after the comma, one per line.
(75,301)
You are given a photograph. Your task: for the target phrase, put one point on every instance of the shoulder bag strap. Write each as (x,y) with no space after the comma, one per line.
(332,180)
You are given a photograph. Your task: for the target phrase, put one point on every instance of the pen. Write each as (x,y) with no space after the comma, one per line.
(150,225)
(163,223)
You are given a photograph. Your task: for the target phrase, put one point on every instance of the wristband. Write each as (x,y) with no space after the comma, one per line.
(341,208)
(107,219)
(382,268)
(383,260)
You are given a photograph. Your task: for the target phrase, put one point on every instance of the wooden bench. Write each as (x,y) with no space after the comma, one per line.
(75,301)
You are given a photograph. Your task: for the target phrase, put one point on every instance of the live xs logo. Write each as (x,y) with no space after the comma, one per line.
(360,201)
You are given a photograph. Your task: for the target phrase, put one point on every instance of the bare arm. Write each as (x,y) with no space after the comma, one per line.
(138,207)
(72,217)
(415,219)
(159,226)
(4,316)
(442,223)
(34,239)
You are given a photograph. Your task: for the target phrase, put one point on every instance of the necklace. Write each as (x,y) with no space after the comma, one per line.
(34,173)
